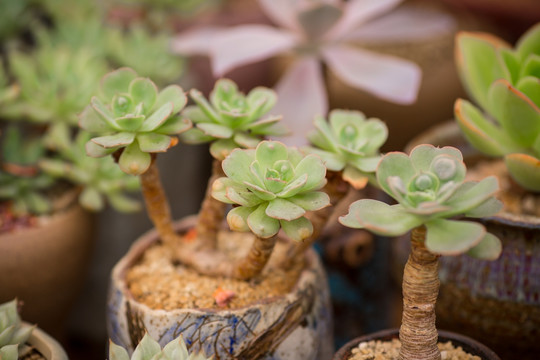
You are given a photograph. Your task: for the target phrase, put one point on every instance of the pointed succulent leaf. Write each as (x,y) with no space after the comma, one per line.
(146,349)
(143,90)
(9,352)
(313,167)
(103,112)
(474,195)
(216,130)
(117,352)
(297,230)
(130,122)
(152,143)
(171,94)
(174,125)
(157,118)
(529,43)
(489,207)
(89,120)
(311,201)
(97,151)
(282,209)
(246,141)
(111,141)
(449,237)
(261,100)
(489,248)
(117,81)
(241,196)
(394,164)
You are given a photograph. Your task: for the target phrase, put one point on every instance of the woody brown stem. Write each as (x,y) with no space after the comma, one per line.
(212,212)
(157,205)
(418,333)
(257,257)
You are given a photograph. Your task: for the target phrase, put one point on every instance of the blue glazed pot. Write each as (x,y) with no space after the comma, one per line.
(296,326)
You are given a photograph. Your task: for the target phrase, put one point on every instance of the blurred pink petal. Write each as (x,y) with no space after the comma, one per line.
(281,12)
(356,12)
(195,41)
(301,96)
(245,44)
(405,24)
(386,77)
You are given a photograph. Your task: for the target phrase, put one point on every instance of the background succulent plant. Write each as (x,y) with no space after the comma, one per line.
(13,333)
(348,143)
(430,188)
(149,349)
(505,83)
(132,115)
(21,180)
(231,119)
(273,186)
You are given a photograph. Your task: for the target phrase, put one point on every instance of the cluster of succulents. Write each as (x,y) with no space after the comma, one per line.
(430,188)
(273,186)
(231,119)
(13,333)
(133,116)
(504,82)
(348,143)
(149,349)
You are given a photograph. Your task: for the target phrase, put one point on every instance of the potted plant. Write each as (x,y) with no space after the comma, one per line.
(137,122)
(431,192)
(503,123)
(21,340)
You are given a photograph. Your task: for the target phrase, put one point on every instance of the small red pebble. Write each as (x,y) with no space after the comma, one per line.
(191,235)
(223,296)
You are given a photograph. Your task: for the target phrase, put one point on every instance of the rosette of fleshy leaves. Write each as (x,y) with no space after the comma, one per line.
(149,349)
(274,186)
(430,188)
(133,116)
(148,54)
(99,178)
(21,180)
(231,119)
(55,83)
(505,84)
(349,143)
(13,332)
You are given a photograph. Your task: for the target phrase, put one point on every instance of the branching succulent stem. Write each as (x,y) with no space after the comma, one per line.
(256,259)
(418,333)
(211,213)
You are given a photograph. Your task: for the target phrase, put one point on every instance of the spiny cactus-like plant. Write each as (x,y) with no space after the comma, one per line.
(55,84)
(21,180)
(100,178)
(134,118)
(273,187)
(430,189)
(147,54)
(505,83)
(13,333)
(231,119)
(149,349)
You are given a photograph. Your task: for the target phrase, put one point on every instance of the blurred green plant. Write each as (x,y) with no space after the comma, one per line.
(505,83)
(13,332)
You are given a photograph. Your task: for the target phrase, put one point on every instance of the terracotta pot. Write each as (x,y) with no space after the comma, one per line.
(496,302)
(46,345)
(469,345)
(44,266)
(295,326)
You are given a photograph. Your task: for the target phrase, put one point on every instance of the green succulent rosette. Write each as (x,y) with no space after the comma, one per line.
(133,116)
(231,119)
(349,143)
(429,187)
(505,83)
(149,349)
(273,187)
(100,178)
(13,332)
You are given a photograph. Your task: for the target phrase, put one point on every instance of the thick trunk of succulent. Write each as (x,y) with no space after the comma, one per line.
(212,212)
(418,333)
(336,189)
(157,205)
(253,263)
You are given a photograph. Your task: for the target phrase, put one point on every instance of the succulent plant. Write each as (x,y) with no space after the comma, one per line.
(7,92)
(55,83)
(133,116)
(505,83)
(149,349)
(273,186)
(231,119)
(13,333)
(430,188)
(21,180)
(100,178)
(148,54)
(348,143)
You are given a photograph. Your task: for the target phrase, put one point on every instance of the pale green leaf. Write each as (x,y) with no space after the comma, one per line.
(173,94)
(157,118)
(297,230)
(450,237)
(261,224)
(116,140)
(133,161)
(489,248)
(311,201)
(144,91)
(237,218)
(284,210)
(117,81)
(152,143)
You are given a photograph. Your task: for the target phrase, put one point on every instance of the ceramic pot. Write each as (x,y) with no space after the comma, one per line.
(496,302)
(46,345)
(44,266)
(295,326)
(467,344)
